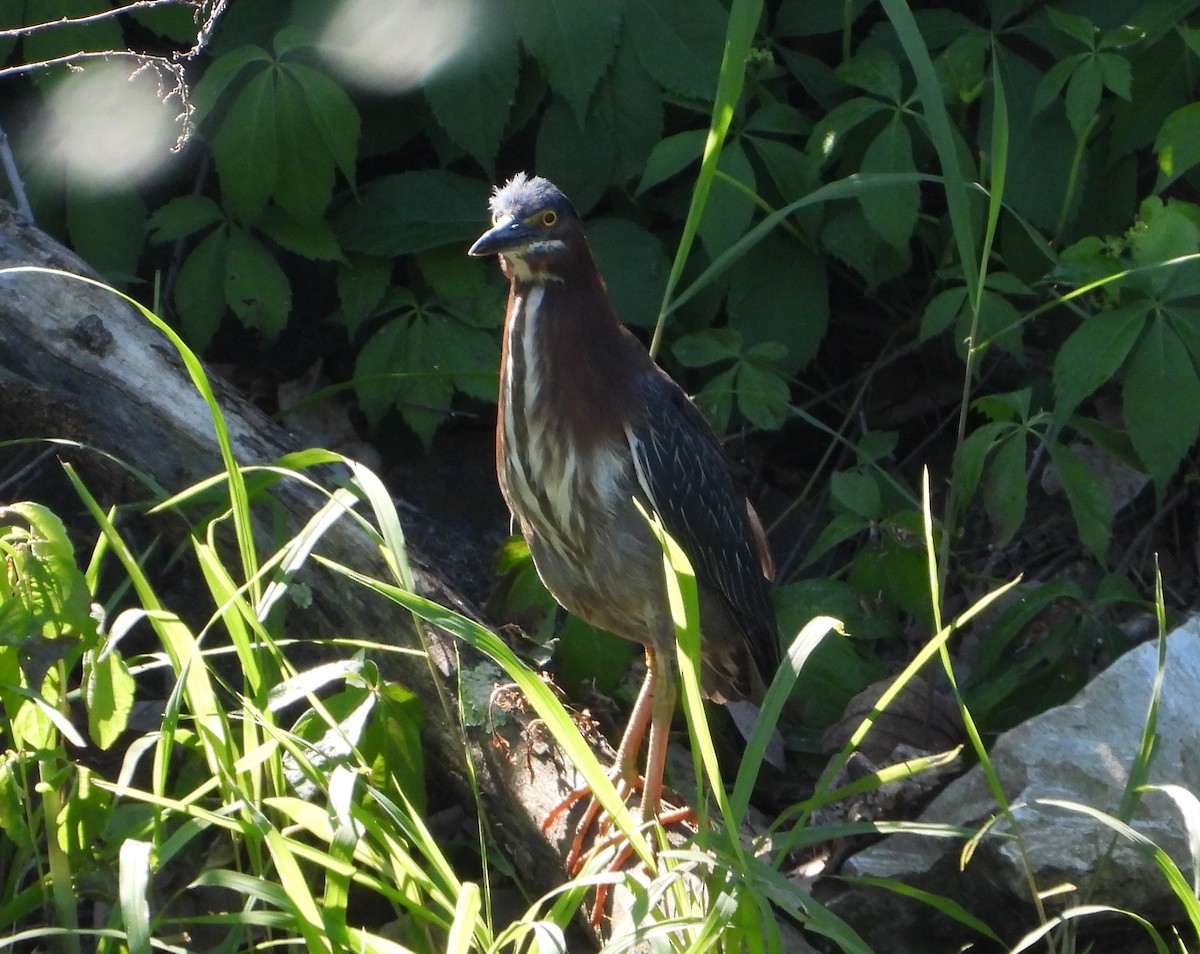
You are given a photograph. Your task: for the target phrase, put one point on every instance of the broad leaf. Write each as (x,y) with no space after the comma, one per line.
(333,114)
(304,184)
(679,42)
(891,212)
(218,77)
(109,694)
(255,286)
(1094,353)
(1178,144)
(876,72)
(472,96)
(1005,492)
(779,292)
(197,300)
(729,210)
(246,149)
(1083,95)
(763,395)
(634,267)
(573,41)
(414,211)
(855,492)
(1090,503)
(181,217)
(1161,401)
(671,156)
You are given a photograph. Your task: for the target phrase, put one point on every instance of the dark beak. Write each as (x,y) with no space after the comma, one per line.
(508,233)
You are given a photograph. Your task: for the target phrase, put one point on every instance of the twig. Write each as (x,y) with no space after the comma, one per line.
(94,17)
(14,178)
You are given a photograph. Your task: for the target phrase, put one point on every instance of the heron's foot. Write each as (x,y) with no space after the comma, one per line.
(593,815)
(667,816)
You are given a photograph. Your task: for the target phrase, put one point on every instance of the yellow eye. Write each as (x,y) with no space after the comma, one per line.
(549,217)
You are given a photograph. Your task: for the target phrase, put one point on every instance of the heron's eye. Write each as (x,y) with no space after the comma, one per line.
(549,217)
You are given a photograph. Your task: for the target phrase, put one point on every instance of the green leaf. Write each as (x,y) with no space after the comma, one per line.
(566,154)
(1094,353)
(1163,233)
(472,97)
(679,42)
(716,399)
(415,363)
(1090,503)
(779,292)
(1117,74)
(573,41)
(1083,95)
(627,108)
(223,71)
(1078,28)
(333,114)
(855,492)
(304,183)
(1051,85)
(109,694)
(308,238)
(414,211)
(942,312)
(876,72)
(108,230)
(634,267)
(795,173)
(181,217)
(702,348)
(361,283)
(1161,401)
(671,156)
(256,288)
(763,395)
(1004,489)
(466,290)
(972,456)
(1178,144)
(829,134)
(729,210)
(246,149)
(197,300)
(891,212)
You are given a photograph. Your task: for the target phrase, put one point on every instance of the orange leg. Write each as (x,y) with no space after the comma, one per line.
(652,713)
(624,774)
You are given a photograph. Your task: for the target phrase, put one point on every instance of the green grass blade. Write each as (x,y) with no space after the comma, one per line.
(133,884)
(744,16)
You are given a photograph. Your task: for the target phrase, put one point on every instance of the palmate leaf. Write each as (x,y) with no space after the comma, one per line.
(622,126)
(1178,144)
(779,292)
(892,212)
(1161,400)
(729,210)
(304,180)
(256,288)
(414,364)
(1094,353)
(574,41)
(246,149)
(199,306)
(1090,502)
(678,41)
(412,212)
(1005,493)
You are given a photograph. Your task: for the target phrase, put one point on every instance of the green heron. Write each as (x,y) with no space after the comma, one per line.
(587,424)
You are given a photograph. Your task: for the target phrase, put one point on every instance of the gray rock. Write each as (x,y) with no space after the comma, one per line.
(1081,752)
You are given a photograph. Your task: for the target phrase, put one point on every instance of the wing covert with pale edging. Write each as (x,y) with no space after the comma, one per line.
(682,470)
